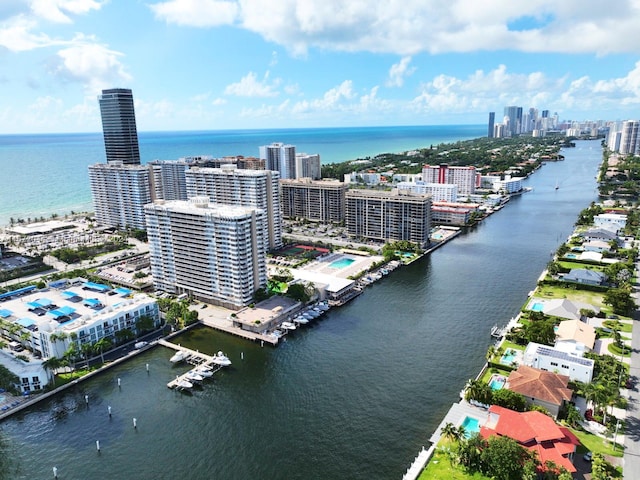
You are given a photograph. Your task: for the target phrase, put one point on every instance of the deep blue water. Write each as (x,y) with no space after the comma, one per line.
(45,174)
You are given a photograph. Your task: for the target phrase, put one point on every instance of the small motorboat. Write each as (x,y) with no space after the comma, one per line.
(203,371)
(179,356)
(184,384)
(221,359)
(194,376)
(301,320)
(288,325)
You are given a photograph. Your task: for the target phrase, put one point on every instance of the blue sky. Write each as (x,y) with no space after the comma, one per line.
(219,64)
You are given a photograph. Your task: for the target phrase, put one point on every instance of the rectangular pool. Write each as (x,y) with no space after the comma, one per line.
(537,307)
(342,263)
(471,426)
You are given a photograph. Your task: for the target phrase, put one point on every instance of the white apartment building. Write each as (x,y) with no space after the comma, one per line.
(308,166)
(440,192)
(555,360)
(629,137)
(280,158)
(213,252)
(78,312)
(120,193)
(508,185)
(168,181)
(248,188)
(389,216)
(364,178)
(466,178)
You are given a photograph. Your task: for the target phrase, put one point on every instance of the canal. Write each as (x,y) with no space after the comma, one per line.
(353,396)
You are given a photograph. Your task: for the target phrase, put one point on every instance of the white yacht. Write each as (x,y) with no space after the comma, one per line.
(179,356)
(203,371)
(301,320)
(288,325)
(184,384)
(221,359)
(194,376)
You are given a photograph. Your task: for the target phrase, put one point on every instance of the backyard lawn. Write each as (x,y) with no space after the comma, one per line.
(440,468)
(585,296)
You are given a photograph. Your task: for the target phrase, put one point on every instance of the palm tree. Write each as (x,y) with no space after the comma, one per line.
(101,345)
(51,364)
(450,432)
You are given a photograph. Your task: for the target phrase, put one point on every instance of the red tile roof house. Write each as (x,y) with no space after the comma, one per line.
(535,431)
(539,387)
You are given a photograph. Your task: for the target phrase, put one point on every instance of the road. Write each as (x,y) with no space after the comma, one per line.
(632,434)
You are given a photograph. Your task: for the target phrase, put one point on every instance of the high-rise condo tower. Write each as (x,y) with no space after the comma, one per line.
(119,126)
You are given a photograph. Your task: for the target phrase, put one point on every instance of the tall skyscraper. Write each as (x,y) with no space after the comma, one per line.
(629,137)
(492,122)
(119,126)
(515,119)
(281,158)
(466,178)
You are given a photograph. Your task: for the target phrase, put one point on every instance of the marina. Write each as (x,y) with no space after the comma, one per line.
(203,364)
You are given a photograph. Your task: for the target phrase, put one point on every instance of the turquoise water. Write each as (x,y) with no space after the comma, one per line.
(45,174)
(497,383)
(537,307)
(508,358)
(342,263)
(571,255)
(471,425)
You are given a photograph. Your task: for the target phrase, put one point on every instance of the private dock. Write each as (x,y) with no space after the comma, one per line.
(193,357)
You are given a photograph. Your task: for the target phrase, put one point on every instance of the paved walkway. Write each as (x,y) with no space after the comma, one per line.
(632,437)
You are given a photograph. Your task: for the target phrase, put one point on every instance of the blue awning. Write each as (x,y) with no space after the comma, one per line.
(123,291)
(44,302)
(26,322)
(33,305)
(92,302)
(96,286)
(69,294)
(4,313)
(67,310)
(19,291)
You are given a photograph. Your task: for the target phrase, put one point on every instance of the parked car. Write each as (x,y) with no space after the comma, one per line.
(587,456)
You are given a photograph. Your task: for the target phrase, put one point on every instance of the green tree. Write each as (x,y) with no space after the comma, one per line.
(620,300)
(297,291)
(509,399)
(51,364)
(450,432)
(504,458)
(478,391)
(101,345)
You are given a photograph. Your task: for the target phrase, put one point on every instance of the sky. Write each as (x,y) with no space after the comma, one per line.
(247,64)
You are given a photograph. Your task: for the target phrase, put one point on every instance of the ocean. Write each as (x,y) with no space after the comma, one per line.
(47,173)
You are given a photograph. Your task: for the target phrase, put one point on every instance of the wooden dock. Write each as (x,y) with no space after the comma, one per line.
(193,357)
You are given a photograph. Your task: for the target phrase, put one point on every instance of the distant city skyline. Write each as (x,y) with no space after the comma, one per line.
(225,64)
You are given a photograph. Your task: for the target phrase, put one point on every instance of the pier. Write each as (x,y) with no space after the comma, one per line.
(193,357)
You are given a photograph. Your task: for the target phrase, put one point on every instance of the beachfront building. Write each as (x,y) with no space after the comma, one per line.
(215,253)
(120,193)
(508,185)
(119,126)
(32,376)
(308,166)
(47,322)
(280,158)
(553,359)
(229,185)
(466,178)
(314,200)
(388,216)
(168,179)
(629,137)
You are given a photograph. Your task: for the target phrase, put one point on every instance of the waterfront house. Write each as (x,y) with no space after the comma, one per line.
(598,246)
(553,359)
(536,432)
(560,307)
(575,336)
(585,276)
(610,221)
(539,387)
(598,234)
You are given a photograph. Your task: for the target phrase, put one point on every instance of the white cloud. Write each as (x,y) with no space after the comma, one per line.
(250,86)
(399,71)
(93,65)
(411,26)
(218,102)
(197,13)
(16,34)
(57,10)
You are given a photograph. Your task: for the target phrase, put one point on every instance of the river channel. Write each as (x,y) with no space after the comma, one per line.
(354,396)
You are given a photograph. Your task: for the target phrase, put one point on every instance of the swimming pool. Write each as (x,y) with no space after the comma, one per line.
(342,263)
(497,382)
(509,357)
(471,425)
(571,255)
(537,307)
